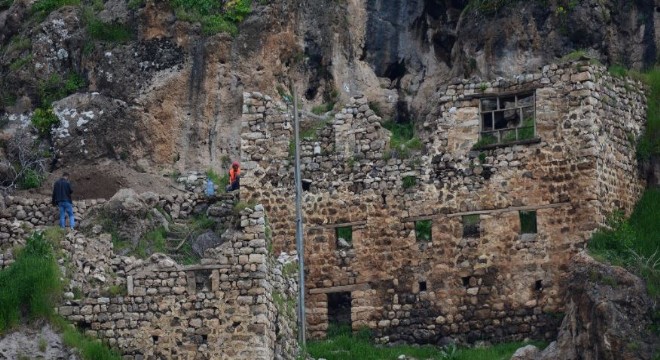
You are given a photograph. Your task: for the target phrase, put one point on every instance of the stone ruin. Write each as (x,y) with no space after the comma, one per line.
(239,302)
(468,240)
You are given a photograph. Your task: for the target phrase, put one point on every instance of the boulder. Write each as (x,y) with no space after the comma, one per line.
(608,314)
(204,241)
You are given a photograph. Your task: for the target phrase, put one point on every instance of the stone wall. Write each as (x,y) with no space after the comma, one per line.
(222,308)
(19,216)
(497,285)
(239,302)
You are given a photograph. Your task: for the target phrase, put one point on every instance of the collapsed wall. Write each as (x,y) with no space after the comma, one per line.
(239,302)
(468,240)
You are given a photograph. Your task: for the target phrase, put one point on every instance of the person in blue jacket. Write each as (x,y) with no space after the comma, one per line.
(62,198)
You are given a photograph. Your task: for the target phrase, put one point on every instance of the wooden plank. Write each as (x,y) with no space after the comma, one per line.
(342,288)
(333,226)
(479,212)
(512,208)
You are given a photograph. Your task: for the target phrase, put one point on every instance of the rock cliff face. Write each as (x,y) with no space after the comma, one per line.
(170,96)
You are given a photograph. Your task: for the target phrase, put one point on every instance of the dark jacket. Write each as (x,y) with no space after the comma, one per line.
(62,191)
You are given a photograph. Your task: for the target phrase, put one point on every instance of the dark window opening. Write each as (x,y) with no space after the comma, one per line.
(423,230)
(466,281)
(306,184)
(422,286)
(203,280)
(344,237)
(154,338)
(471,226)
(384,197)
(538,285)
(339,309)
(205,339)
(528,222)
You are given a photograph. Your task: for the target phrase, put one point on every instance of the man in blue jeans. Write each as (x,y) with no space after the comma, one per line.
(62,198)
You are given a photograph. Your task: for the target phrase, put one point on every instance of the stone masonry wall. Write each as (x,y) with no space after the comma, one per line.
(20,216)
(498,284)
(238,303)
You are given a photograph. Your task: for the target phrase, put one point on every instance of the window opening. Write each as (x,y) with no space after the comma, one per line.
(507,118)
(538,285)
(423,230)
(306,184)
(154,338)
(528,222)
(422,286)
(339,309)
(471,226)
(203,280)
(344,236)
(466,281)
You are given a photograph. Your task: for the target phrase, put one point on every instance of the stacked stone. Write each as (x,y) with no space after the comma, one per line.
(41,211)
(222,308)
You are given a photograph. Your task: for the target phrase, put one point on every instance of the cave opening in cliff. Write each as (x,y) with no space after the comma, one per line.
(396,70)
(339,309)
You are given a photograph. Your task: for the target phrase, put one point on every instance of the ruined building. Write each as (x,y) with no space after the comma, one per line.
(468,240)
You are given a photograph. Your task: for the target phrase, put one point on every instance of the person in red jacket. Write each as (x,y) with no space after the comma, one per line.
(234,177)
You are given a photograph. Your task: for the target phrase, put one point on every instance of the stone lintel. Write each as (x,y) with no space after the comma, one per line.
(343,288)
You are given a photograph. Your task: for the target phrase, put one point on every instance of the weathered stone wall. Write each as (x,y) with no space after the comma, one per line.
(222,308)
(498,285)
(20,216)
(238,303)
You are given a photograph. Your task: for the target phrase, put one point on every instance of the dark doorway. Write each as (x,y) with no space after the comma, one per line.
(339,309)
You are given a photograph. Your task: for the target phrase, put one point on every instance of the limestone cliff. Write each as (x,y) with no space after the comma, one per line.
(168,96)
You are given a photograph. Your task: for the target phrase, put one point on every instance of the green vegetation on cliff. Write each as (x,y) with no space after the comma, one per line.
(31,289)
(634,243)
(215,16)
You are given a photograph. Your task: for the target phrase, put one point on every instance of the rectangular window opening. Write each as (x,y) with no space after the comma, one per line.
(422,286)
(471,226)
(508,118)
(538,285)
(344,236)
(466,281)
(423,230)
(528,222)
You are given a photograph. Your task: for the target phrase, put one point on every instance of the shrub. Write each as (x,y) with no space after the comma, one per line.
(44,120)
(110,32)
(214,16)
(402,139)
(409,181)
(45,7)
(31,179)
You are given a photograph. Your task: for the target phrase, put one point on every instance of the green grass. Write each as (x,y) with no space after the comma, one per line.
(110,32)
(649,143)
(409,181)
(342,345)
(402,139)
(323,108)
(90,349)
(156,239)
(634,243)
(31,285)
(221,181)
(30,179)
(44,7)
(20,63)
(214,16)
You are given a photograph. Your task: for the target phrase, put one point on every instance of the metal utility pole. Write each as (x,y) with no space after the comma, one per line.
(300,245)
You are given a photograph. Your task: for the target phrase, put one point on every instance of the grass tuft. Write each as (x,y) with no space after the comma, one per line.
(634,243)
(402,139)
